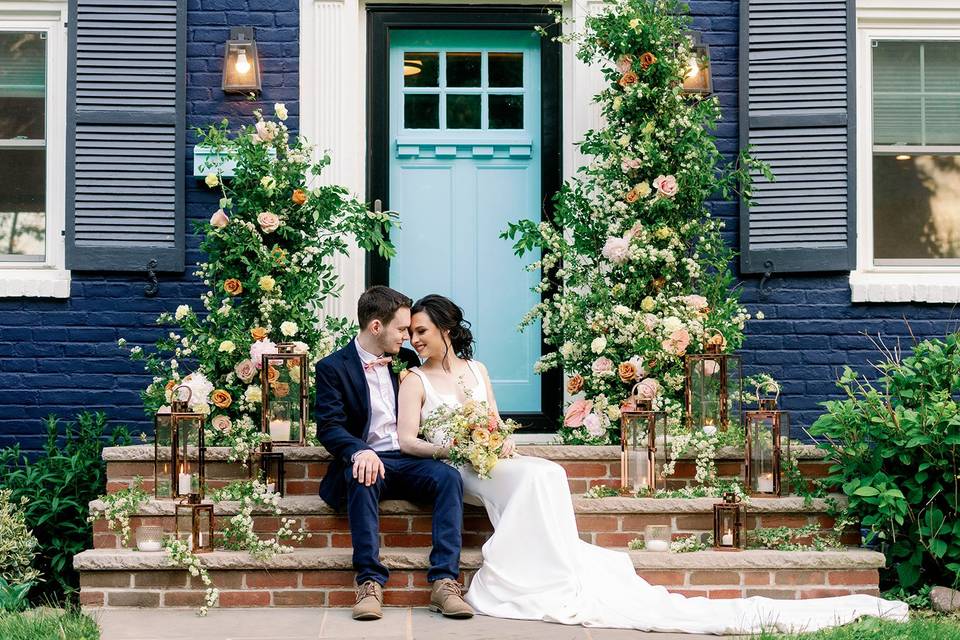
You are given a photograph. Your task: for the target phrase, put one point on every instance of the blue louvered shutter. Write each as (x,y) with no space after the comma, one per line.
(797,112)
(125,135)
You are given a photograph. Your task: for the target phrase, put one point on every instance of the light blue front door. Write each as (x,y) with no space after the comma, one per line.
(464,161)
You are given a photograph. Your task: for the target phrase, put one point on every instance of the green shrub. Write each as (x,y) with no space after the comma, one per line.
(58,484)
(894,448)
(17,544)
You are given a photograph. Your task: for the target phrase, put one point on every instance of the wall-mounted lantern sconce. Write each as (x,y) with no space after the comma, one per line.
(698,78)
(241,66)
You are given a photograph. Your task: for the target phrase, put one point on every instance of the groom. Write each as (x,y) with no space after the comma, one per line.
(356,414)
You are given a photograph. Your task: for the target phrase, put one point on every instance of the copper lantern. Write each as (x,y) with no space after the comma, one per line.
(269,468)
(764,429)
(729,520)
(713,387)
(643,446)
(179,451)
(194,524)
(283,378)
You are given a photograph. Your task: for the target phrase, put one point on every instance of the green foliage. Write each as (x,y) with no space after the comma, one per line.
(13,595)
(119,506)
(58,485)
(785,538)
(601,491)
(876,629)
(48,624)
(17,544)
(917,598)
(634,268)
(894,444)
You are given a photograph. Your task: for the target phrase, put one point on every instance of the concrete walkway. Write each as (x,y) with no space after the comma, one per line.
(314,624)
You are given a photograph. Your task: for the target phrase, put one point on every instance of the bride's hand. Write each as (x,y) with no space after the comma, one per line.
(508,448)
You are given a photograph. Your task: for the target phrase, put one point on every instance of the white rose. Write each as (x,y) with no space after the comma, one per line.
(227,346)
(281,110)
(253,394)
(289,328)
(598,344)
(182,312)
(759,315)
(671,324)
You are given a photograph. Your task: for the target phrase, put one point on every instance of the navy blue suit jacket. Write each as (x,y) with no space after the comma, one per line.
(343,413)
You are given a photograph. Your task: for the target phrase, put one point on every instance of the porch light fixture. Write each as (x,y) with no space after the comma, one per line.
(412,67)
(241,66)
(764,429)
(642,457)
(698,79)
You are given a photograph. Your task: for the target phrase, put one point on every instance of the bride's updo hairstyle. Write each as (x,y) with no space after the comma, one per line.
(447,316)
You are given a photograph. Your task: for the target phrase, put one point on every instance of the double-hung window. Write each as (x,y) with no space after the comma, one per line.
(32,158)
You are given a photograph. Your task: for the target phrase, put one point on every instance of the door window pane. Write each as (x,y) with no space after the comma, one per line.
(506,112)
(463,69)
(421,111)
(463,111)
(506,69)
(421,69)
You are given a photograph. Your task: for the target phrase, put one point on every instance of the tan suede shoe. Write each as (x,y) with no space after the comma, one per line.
(369,601)
(447,598)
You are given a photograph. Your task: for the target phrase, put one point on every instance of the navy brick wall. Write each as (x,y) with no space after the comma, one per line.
(60,356)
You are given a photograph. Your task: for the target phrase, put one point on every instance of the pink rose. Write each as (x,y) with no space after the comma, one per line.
(627,164)
(648,389)
(666,186)
(266,131)
(695,302)
(219,219)
(601,366)
(593,425)
(710,367)
(616,250)
(677,343)
(245,370)
(649,321)
(624,63)
(269,222)
(259,348)
(576,412)
(222,423)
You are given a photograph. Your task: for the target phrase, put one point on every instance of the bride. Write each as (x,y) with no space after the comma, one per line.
(535,566)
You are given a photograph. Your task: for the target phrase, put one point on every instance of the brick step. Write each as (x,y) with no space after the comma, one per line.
(586,466)
(324,577)
(603,521)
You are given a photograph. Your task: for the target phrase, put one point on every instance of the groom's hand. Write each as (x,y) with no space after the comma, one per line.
(367,466)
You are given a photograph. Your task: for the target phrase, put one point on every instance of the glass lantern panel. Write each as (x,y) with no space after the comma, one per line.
(761,454)
(734,390)
(660,455)
(163,441)
(204,527)
(185,525)
(706,385)
(188,446)
(728,528)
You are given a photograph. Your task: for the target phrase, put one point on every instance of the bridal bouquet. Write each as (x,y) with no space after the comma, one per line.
(473,432)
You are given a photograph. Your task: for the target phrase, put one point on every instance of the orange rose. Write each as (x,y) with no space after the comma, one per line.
(575,384)
(233,287)
(221,398)
(716,340)
(258,333)
(659,283)
(273,374)
(280,389)
(646,60)
(279,255)
(632,196)
(628,78)
(170,385)
(627,371)
(299,196)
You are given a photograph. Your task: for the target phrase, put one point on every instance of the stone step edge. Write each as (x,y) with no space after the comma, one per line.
(562,452)
(417,558)
(314,505)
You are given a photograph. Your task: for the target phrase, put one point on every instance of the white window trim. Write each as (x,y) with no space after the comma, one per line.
(926,20)
(50,279)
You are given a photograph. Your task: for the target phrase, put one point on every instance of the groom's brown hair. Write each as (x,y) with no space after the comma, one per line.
(380,303)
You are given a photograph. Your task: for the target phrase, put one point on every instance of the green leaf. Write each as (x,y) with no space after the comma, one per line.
(866,491)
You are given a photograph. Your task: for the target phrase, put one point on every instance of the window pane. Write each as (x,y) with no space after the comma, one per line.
(463,112)
(421,69)
(916,206)
(506,69)
(463,69)
(22,84)
(421,111)
(22,204)
(506,112)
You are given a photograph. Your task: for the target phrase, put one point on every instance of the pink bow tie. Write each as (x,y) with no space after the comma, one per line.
(369,366)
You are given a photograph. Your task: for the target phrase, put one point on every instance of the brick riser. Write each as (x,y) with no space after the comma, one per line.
(303,478)
(334,588)
(413,530)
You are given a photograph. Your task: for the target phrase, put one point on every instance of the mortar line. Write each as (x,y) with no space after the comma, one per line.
(323,621)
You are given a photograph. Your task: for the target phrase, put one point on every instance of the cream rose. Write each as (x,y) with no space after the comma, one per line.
(616,250)
(598,344)
(182,312)
(648,304)
(227,346)
(267,283)
(281,110)
(289,329)
(268,221)
(253,394)
(268,182)
(211,180)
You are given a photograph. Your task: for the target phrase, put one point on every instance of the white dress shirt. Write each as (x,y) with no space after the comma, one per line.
(383,404)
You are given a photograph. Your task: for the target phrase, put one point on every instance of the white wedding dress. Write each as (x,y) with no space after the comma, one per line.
(536,567)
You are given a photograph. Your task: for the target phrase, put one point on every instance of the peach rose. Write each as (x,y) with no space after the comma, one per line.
(268,221)
(273,374)
(299,196)
(628,78)
(575,384)
(576,412)
(222,423)
(233,287)
(280,389)
(647,59)
(258,333)
(647,389)
(695,302)
(627,371)
(716,340)
(245,370)
(632,196)
(219,219)
(677,343)
(266,131)
(221,398)
(624,63)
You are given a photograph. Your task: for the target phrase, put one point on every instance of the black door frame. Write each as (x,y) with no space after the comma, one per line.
(384,18)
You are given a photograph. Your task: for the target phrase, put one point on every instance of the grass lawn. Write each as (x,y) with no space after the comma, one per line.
(920,627)
(48,624)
